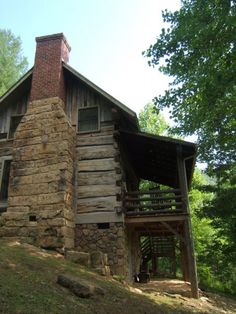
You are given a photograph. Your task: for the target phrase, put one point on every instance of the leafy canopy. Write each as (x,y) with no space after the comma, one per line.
(152,122)
(198,50)
(12,63)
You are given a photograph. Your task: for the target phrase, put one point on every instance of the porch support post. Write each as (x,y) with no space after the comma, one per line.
(192,269)
(184,261)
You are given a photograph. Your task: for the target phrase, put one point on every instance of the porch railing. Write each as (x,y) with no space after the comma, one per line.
(153,201)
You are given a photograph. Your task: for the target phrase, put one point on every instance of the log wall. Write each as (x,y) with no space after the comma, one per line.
(17,108)
(99,173)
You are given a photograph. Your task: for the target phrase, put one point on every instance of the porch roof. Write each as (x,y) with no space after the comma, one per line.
(154,157)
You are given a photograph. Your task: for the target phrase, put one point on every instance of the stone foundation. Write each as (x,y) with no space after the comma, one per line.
(110,241)
(41,189)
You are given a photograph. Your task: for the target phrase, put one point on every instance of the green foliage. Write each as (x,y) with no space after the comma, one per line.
(198,50)
(12,62)
(151,121)
(214,226)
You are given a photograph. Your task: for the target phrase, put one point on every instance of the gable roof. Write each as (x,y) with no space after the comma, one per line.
(99,90)
(23,84)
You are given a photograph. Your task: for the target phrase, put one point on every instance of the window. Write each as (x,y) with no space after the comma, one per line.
(15,121)
(5,180)
(88,119)
(3,136)
(103,225)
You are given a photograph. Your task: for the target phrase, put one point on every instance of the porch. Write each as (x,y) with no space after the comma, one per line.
(158,220)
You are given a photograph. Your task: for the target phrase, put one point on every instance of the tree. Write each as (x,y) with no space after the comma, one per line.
(12,63)
(198,50)
(152,122)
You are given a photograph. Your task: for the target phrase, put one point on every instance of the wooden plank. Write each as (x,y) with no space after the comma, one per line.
(153,192)
(98,217)
(97,178)
(173,231)
(152,219)
(90,140)
(153,212)
(97,190)
(160,205)
(97,204)
(6,152)
(152,199)
(96,152)
(97,165)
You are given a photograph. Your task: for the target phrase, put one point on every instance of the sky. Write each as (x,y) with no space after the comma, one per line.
(107,38)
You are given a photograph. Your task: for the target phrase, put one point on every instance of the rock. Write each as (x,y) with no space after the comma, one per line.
(97,259)
(79,288)
(50,242)
(80,258)
(2,221)
(104,271)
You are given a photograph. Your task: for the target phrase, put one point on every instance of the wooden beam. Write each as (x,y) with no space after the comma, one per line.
(164,223)
(192,269)
(154,213)
(156,205)
(153,192)
(140,219)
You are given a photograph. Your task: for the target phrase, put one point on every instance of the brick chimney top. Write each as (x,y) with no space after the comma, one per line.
(48,79)
(57,36)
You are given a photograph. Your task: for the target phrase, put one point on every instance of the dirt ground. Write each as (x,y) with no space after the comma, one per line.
(181,290)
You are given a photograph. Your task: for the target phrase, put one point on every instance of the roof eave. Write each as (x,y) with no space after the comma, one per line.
(17,84)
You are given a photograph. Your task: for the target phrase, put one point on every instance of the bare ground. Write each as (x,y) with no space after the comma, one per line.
(180,290)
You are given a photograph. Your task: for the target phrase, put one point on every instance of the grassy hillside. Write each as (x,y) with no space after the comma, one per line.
(28,286)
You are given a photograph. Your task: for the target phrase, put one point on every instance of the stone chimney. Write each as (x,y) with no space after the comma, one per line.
(41,207)
(48,80)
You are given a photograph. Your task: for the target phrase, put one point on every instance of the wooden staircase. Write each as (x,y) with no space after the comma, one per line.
(153,247)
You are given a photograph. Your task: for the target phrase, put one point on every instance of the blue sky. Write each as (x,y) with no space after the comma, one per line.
(107,39)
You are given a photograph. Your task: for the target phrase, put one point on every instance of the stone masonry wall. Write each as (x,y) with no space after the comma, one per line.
(112,241)
(41,191)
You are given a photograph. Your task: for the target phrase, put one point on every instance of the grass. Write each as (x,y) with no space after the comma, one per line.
(28,286)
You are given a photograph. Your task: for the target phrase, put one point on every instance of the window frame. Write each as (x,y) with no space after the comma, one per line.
(98,119)
(3,203)
(9,129)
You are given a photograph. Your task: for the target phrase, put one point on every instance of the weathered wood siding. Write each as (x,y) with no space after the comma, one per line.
(17,108)
(98,168)
(99,173)
(80,96)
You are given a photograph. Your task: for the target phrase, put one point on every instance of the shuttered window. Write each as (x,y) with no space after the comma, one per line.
(5,180)
(88,119)
(15,121)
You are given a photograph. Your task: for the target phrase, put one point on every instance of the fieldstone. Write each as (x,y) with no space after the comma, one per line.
(81,289)
(97,259)
(2,221)
(50,242)
(104,271)
(80,258)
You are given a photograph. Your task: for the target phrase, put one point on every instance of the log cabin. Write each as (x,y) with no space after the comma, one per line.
(71,161)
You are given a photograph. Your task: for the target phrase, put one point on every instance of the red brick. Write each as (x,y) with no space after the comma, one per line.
(48,78)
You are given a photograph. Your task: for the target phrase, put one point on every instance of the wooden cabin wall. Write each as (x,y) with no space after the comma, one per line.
(98,167)
(99,173)
(80,96)
(17,108)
